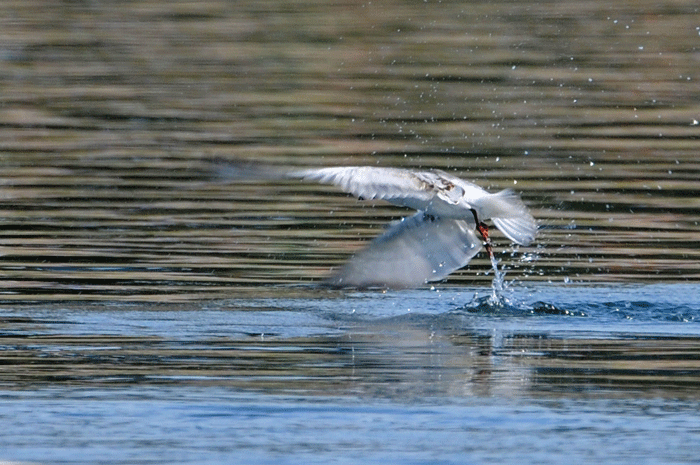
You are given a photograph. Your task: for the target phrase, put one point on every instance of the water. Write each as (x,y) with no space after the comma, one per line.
(151,313)
(290,429)
(424,376)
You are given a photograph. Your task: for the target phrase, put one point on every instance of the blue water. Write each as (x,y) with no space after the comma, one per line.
(220,426)
(548,374)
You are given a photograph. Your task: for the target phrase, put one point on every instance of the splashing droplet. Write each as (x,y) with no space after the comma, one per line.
(497,284)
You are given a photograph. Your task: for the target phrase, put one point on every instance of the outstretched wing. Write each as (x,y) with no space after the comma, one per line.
(395,185)
(410,253)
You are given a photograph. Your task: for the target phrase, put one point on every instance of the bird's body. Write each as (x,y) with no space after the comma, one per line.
(438,239)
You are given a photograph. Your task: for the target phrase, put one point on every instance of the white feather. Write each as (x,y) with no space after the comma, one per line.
(411,252)
(434,192)
(390,184)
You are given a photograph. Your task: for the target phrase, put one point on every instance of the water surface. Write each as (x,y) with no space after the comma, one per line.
(150,312)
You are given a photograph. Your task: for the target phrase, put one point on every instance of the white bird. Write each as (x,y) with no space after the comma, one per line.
(439,239)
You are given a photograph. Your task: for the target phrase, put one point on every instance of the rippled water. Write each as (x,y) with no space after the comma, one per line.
(151,312)
(608,374)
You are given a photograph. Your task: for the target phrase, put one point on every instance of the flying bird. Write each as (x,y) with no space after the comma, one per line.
(438,239)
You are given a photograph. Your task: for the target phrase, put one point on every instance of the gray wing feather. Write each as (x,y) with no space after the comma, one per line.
(413,251)
(366,182)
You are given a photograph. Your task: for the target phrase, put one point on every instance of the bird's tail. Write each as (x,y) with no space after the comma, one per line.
(511,216)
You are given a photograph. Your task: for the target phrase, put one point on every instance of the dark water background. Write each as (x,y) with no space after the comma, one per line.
(151,313)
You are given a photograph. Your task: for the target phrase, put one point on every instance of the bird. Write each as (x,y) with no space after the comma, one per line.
(438,239)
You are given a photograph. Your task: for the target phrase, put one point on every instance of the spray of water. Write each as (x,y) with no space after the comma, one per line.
(497,302)
(497,298)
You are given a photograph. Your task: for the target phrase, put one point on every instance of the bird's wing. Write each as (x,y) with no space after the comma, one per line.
(410,253)
(391,184)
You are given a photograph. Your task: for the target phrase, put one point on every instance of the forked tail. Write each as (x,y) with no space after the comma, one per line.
(511,217)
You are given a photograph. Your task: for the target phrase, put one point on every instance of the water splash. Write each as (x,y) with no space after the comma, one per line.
(497,301)
(503,306)
(497,285)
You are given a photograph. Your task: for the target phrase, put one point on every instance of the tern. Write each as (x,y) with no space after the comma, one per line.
(438,239)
